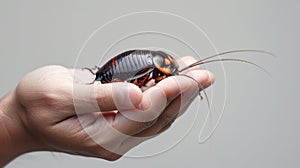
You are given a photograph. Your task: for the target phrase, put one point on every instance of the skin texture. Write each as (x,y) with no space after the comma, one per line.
(49,110)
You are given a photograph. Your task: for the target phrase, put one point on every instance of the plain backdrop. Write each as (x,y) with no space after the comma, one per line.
(260,127)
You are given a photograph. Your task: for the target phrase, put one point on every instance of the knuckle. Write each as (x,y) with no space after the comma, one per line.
(51,99)
(56,99)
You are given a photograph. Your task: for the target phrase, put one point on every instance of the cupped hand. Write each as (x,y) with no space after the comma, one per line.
(62,113)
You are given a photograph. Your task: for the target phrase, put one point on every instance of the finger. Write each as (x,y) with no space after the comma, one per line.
(168,125)
(205,82)
(133,121)
(188,60)
(174,109)
(165,120)
(155,100)
(180,104)
(105,97)
(204,78)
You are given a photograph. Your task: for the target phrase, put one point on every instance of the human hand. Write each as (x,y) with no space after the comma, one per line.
(59,113)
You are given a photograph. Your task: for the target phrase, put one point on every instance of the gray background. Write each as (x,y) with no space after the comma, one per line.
(261,120)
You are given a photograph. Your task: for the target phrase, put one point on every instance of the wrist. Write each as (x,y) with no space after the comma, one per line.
(15,139)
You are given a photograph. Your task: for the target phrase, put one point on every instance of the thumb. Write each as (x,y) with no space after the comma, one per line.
(106,97)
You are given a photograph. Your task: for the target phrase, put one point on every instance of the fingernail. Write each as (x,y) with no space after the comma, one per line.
(211,77)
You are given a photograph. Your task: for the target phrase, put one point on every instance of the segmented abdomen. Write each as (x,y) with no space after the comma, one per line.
(125,66)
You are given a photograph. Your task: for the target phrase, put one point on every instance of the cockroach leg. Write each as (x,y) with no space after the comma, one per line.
(90,83)
(96,68)
(158,79)
(201,97)
(89,69)
(116,80)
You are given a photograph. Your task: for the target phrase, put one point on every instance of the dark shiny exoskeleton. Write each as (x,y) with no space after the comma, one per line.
(138,67)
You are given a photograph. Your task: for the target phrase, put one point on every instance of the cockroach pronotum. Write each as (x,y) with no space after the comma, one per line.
(141,66)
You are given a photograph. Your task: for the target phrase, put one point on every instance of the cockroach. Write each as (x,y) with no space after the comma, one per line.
(140,66)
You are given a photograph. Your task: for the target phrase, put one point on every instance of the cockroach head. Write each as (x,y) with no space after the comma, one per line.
(165,63)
